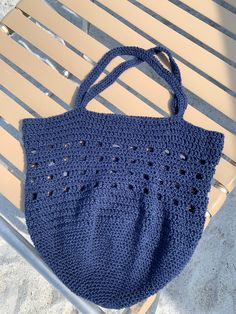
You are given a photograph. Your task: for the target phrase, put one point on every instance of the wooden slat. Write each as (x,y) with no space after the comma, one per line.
(72,61)
(226,181)
(200,57)
(39,70)
(11,111)
(11,149)
(231,2)
(77,38)
(27,92)
(194,26)
(192,114)
(32,96)
(216,200)
(10,187)
(14,82)
(214,12)
(226,174)
(91,48)
(207,220)
(146,305)
(191,79)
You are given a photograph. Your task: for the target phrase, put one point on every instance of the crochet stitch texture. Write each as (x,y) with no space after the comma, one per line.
(115,204)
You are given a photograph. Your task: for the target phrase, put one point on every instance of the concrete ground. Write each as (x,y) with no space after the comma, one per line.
(206,286)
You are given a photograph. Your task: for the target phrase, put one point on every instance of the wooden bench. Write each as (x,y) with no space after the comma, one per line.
(208,71)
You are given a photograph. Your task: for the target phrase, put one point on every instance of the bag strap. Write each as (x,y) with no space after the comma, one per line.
(112,76)
(86,91)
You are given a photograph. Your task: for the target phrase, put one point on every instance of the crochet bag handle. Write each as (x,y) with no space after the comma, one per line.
(86,91)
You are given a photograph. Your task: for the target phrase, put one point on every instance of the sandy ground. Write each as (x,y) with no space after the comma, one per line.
(206,286)
(24,291)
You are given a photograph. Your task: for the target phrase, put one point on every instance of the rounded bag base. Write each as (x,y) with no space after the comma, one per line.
(112,253)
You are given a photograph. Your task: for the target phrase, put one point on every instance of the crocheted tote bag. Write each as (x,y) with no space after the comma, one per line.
(115,204)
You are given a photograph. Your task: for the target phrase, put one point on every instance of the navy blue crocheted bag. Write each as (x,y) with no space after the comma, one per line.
(116,204)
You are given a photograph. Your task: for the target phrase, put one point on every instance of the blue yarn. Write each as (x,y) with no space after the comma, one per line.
(83,99)
(116,204)
(85,95)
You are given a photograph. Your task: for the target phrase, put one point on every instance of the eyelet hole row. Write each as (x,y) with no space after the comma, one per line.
(67,145)
(199,176)
(167,152)
(176,202)
(202,161)
(64,174)
(66,189)
(130,187)
(115,159)
(183,156)
(177,185)
(66,158)
(35,165)
(133,147)
(191,208)
(194,190)
(52,162)
(150,149)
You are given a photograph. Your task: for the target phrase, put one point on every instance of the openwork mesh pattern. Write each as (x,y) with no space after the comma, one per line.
(116,204)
